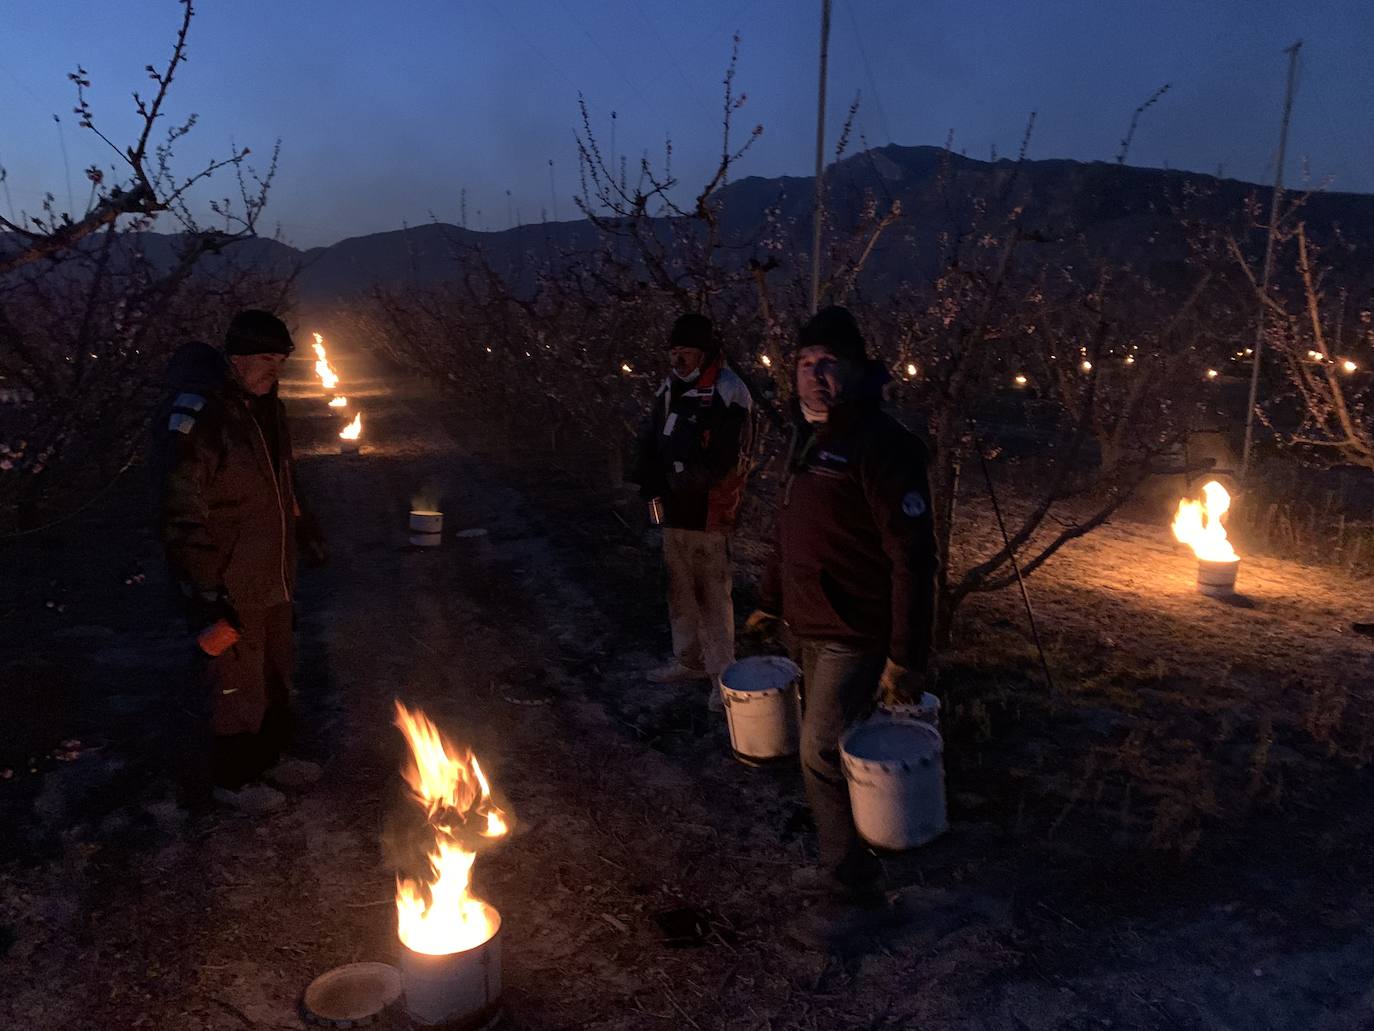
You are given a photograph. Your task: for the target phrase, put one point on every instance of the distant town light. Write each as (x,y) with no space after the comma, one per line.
(911,368)
(1316,356)
(767,362)
(1130,359)
(1349,366)
(1086,365)
(1020,380)
(625,368)
(1211,373)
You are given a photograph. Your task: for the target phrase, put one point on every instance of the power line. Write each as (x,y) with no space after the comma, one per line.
(868,70)
(644,15)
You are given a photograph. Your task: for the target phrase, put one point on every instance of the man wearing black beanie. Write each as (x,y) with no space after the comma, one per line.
(692,462)
(854,577)
(231,525)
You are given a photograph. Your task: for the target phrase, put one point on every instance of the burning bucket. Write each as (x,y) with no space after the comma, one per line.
(1199,524)
(450,939)
(1217,579)
(351,436)
(458,991)
(761,708)
(895,769)
(426,528)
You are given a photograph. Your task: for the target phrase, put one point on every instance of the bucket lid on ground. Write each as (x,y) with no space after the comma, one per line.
(892,739)
(760,673)
(354,995)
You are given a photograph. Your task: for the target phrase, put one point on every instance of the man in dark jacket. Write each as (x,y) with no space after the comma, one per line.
(230,521)
(693,459)
(854,577)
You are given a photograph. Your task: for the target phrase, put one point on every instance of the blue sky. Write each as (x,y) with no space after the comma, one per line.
(386,111)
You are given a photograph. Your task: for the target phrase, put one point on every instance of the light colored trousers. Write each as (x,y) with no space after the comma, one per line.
(700,609)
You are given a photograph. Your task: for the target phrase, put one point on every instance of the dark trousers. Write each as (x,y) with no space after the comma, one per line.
(839,687)
(249,694)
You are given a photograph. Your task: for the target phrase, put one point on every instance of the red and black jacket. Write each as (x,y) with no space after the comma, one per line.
(856,554)
(694,449)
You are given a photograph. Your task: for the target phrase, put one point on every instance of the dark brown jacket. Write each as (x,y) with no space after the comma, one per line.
(228,506)
(856,557)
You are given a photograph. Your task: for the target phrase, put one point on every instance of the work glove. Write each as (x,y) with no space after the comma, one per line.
(761,623)
(900,685)
(310,540)
(217,638)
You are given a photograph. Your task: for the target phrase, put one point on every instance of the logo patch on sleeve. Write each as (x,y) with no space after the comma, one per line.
(913,505)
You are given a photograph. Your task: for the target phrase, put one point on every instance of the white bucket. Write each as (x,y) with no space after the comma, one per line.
(1217,579)
(457,990)
(761,707)
(426,528)
(927,710)
(896,774)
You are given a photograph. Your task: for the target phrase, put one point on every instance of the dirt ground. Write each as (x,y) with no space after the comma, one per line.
(1177,836)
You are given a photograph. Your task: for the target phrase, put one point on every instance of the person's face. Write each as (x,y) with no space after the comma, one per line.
(258,372)
(685,360)
(822,377)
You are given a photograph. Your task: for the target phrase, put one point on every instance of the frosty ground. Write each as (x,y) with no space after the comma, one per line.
(1177,837)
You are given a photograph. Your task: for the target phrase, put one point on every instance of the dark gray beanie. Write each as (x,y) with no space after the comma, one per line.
(257,332)
(835,328)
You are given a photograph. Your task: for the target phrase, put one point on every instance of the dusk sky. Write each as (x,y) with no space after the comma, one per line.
(387,110)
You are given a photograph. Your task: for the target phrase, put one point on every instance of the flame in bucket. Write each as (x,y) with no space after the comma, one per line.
(323,369)
(1198,524)
(354,429)
(437,913)
(339,402)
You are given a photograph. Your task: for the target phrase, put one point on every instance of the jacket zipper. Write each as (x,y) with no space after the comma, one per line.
(281,508)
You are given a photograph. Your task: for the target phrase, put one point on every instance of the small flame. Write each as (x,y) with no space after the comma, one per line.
(354,429)
(911,368)
(1198,524)
(339,402)
(437,915)
(1020,380)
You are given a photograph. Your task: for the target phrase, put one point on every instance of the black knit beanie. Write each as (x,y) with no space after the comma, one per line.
(257,332)
(834,328)
(694,330)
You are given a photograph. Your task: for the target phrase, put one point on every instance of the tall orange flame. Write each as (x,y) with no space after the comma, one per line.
(1198,524)
(437,913)
(354,429)
(323,369)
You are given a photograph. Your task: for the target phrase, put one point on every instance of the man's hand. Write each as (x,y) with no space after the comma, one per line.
(217,638)
(899,685)
(760,622)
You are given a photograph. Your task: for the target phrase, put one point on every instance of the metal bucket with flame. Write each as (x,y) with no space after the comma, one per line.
(459,991)
(1217,579)
(426,528)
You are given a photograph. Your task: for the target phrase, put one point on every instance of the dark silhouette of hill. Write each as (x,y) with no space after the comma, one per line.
(1125,214)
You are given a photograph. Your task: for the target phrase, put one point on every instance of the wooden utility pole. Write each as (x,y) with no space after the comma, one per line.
(1268,269)
(820,162)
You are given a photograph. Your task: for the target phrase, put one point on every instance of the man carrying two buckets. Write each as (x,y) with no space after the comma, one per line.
(854,577)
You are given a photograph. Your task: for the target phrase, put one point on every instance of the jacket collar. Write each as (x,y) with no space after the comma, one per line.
(710,372)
